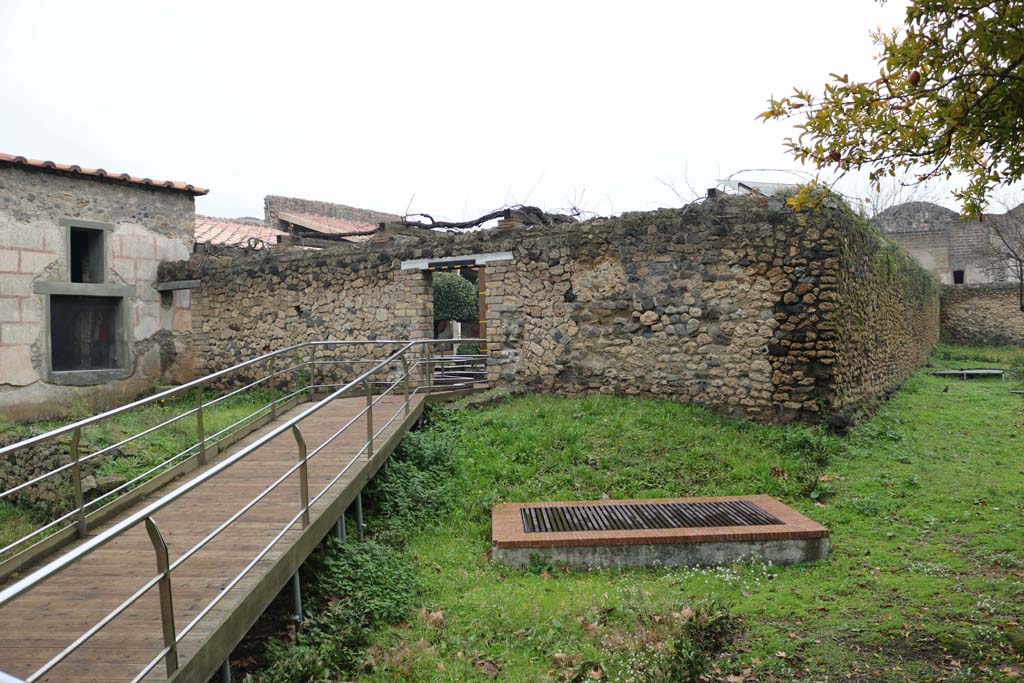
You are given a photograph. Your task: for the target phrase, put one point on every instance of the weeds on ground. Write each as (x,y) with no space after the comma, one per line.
(355,588)
(924,501)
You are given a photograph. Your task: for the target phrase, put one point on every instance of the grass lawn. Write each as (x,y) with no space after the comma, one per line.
(925,580)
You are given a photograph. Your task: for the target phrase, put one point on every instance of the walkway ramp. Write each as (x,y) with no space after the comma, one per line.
(236,530)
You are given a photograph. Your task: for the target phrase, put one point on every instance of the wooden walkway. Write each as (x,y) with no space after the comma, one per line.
(39,624)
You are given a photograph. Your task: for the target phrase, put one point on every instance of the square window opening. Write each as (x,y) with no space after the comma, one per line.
(958,277)
(85,255)
(85,333)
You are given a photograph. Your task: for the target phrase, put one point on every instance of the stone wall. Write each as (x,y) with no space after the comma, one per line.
(982,314)
(146,226)
(736,304)
(883,317)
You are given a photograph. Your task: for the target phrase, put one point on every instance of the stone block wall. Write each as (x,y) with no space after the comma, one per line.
(147,226)
(882,315)
(246,307)
(943,242)
(985,314)
(736,303)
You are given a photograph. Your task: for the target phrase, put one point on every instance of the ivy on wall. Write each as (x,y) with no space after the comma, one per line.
(455,297)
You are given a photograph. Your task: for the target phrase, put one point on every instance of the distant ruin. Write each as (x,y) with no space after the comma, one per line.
(982,297)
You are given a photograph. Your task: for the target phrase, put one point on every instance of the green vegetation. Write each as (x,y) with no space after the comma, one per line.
(355,589)
(947,101)
(455,297)
(925,502)
(951,356)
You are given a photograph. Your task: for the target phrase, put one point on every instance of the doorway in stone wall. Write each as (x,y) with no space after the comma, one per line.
(456,295)
(457,305)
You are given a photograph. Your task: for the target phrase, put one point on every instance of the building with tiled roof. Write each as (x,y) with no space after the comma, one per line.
(99,173)
(323,220)
(325,226)
(235,232)
(82,316)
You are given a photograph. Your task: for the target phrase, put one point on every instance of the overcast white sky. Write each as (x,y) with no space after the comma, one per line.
(458,107)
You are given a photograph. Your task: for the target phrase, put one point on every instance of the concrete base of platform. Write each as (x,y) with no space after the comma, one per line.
(780,552)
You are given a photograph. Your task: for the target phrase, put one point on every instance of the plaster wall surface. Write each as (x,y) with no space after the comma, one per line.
(143,226)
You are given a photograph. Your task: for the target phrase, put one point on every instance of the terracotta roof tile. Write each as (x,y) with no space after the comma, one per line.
(232,233)
(326,224)
(100,173)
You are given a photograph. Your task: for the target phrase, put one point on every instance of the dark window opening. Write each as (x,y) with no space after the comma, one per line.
(84,333)
(958,277)
(86,255)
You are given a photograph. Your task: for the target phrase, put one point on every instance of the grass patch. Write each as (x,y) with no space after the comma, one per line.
(951,356)
(925,502)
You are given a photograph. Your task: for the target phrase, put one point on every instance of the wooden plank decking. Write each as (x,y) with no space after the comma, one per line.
(39,624)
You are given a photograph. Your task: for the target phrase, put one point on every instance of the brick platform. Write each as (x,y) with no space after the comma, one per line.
(796,539)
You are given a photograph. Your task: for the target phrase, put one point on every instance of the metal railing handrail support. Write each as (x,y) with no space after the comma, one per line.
(198,382)
(74,555)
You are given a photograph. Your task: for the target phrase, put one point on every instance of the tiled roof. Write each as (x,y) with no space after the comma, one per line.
(100,173)
(326,224)
(232,233)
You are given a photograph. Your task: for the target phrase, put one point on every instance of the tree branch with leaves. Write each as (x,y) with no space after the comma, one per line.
(949,99)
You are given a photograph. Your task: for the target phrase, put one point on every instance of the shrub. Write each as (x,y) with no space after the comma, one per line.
(414,486)
(359,586)
(455,297)
(691,649)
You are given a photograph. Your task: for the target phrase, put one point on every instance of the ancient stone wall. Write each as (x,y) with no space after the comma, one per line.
(988,314)
(883,316)
(142,227)
(735,304)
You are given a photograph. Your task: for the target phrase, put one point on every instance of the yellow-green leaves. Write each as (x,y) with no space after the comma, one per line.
(949,98)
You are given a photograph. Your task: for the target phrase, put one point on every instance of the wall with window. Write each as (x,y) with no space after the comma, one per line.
(82,323)
(958,251)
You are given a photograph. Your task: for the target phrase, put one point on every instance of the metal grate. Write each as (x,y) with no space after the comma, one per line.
(633,516)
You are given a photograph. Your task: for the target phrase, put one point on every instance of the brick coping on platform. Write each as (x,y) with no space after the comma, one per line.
(507,526)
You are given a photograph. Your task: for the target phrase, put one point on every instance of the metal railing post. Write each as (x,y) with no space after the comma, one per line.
(296,598)
(312,372)
(426,368)
(430,351)
(359,514)
(273,397)
(369,419)
(303,475)
(76,475)
(405,381)
(166,602)
(200,429)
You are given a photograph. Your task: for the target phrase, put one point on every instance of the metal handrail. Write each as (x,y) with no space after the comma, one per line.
(74,466)
(145,515)
(85,422)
